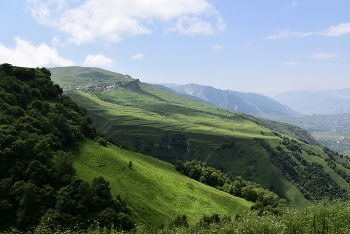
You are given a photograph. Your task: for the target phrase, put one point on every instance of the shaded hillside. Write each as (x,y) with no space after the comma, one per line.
(249,103)
(321,102)
(170,127)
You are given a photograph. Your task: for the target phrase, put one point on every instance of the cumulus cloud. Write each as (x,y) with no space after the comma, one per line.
(323,55)
(291,63)
(28,55)
(217,47)
(338,30)
(112,20)
(98,61)
(137,56)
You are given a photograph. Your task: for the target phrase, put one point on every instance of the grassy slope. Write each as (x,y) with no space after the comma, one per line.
(155,192)
(128,122)
(83,77)
(142,116)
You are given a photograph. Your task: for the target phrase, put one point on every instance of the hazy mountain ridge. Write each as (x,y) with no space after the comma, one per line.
(320,102)
(249,103)
(166,88)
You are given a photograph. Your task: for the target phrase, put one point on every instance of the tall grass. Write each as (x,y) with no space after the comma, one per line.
(321,218)
(317,219)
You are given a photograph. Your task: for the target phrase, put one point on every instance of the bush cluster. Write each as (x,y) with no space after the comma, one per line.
(265,200)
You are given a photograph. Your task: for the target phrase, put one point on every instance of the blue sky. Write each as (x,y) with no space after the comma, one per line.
(261,46)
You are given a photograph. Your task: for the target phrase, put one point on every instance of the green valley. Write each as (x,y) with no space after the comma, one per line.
(170,127)
(160,160)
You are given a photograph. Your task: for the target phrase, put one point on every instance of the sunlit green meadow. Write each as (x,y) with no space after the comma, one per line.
(155,192)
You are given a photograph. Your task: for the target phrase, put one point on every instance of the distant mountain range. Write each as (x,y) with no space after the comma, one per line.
(249,103)
(321,102)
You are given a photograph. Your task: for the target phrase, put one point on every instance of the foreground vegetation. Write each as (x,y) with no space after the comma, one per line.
(321,218)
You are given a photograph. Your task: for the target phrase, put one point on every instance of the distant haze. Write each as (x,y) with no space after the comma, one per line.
(321,102)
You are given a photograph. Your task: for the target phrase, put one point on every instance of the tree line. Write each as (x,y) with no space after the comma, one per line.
(265,201)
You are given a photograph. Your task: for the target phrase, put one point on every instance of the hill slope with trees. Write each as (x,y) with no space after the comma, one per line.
(49,150)
(170,127)
(38,182)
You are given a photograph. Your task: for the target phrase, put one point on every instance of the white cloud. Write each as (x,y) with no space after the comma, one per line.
(323,56)
(26,54)
(291,63)
(338,30)
(220,24)
(112,20)
(56,42)
(98,61)
(191,25)
(137,56)
(289,33)
(60,3)
(217,47)
(40,11)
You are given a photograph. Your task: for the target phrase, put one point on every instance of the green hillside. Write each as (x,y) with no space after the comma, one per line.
(155,192)
(54,175)
(75,77)
(170,127)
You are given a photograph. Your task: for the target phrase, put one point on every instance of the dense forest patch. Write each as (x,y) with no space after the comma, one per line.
(38,182)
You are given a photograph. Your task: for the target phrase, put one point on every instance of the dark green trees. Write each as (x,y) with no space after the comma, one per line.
(37,179)
(265,200)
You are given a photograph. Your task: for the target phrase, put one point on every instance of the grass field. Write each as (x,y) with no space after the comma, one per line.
(155,192)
